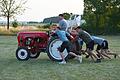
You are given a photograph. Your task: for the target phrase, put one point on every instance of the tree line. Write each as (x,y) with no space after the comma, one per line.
(102,16)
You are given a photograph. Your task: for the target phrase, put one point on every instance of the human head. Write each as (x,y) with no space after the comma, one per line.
(78,29)
(61,16)
(57,28)
(53,27)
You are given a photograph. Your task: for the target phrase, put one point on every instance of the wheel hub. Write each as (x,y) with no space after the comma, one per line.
(22,53)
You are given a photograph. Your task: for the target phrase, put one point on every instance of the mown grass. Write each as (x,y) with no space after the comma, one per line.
(44,69)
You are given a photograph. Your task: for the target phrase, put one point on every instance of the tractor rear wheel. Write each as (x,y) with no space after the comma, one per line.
(52,49)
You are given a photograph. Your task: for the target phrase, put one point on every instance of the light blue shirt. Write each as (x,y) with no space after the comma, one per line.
(62,35)
(98,40)
(63,24)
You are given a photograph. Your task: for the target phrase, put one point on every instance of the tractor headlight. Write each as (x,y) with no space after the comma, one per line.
(28,41)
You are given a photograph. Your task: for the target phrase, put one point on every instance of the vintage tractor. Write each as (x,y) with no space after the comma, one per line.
(31,44)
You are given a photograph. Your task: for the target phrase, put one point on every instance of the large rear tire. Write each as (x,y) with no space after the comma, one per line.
(52,49)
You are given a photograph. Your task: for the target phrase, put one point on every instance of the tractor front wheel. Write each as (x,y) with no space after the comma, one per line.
(22,54)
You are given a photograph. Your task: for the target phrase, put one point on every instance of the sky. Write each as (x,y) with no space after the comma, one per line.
(39,9)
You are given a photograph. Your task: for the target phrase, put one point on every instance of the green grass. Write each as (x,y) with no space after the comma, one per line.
(44,69)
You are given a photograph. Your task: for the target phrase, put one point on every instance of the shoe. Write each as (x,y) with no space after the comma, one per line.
(115,55)
(63,62)
(98,60)
(79,58)
(87,56)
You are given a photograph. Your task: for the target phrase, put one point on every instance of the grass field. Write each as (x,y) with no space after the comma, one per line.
(44,69)
(13,31)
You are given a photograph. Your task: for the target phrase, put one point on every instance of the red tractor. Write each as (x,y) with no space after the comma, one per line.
(31,44)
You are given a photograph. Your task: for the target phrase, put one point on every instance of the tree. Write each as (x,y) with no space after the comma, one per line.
(102,14)
(11,8)
(66,16)
(15,24)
